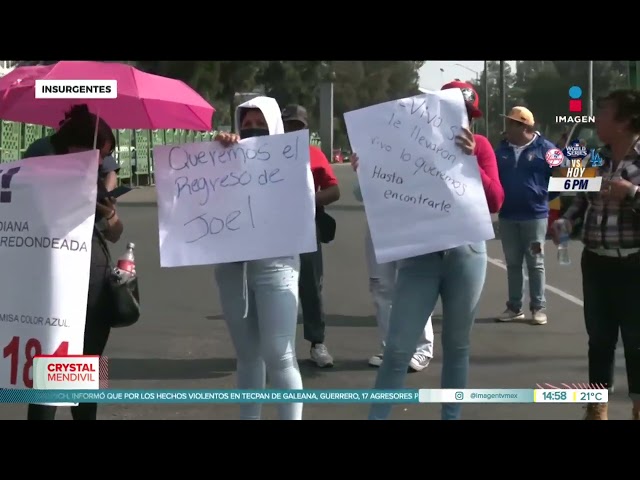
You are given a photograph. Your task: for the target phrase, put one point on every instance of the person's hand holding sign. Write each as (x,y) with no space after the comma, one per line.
(227,139)
(618,189)
(466,141)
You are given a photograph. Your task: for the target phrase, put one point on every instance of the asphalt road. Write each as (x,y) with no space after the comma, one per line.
(181,341)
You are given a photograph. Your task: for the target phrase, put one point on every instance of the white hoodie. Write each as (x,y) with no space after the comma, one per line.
(271,111)
(269,108)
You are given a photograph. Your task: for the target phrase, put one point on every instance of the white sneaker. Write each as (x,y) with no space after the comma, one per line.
(419,362)
(508,315)
(538,317)
(320,355)
(376,360)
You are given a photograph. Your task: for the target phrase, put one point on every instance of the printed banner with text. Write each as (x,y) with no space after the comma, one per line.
(421,193)
(252,200)
(47,208)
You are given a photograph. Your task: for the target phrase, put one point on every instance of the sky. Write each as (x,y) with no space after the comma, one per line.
(432,78)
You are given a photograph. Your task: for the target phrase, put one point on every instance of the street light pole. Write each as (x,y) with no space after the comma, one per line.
(486,98)
(326,114)
(590,88)
(633,75)
(477,74)
(503,96)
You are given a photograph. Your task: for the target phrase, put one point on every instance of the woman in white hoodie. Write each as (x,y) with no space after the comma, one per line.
(260,297)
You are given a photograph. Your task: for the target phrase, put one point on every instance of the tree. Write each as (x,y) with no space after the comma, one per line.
(294,83)
(361,84)
(404,79)
(356,84)
(218,82)
(527,69)
(31,63)
(607,75)
(181,70)
(237,77)
(346,95)
(545,86)
(546,96)
(513,97)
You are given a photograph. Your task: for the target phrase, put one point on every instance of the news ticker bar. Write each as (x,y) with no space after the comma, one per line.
(306,396)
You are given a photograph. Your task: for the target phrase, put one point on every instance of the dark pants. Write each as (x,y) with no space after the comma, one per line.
(611,287)
(310,288)
(96,334)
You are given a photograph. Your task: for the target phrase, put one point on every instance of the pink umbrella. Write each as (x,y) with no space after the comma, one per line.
(144,101)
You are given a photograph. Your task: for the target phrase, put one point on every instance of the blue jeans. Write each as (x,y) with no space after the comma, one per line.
(457,276)
(517,237)
(260,305)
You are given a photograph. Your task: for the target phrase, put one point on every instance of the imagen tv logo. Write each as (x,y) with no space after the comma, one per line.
(575,107)
(575,99)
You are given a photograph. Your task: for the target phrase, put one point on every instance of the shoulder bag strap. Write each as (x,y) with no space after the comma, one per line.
(103,244)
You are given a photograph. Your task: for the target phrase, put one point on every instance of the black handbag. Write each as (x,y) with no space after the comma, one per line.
(125,296)
(325,225)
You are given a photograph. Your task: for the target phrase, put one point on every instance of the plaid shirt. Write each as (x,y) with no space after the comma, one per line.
(610,225)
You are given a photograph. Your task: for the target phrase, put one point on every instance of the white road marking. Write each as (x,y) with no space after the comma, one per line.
(561,293)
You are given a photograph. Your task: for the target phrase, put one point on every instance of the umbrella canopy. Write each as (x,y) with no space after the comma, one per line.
(144,100)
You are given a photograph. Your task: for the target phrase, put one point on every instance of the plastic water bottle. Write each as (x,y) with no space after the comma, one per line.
(126,267)
(562,230)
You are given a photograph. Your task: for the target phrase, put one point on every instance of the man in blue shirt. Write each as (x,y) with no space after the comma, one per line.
(524,174)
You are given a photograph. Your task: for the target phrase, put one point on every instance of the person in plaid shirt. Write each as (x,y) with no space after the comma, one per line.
(611,257)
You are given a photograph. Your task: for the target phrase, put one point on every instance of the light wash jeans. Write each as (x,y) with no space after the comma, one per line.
(382,280)
(260,305)
(517,237)
(457,276)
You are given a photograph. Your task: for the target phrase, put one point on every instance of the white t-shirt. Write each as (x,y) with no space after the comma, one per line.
(518,149)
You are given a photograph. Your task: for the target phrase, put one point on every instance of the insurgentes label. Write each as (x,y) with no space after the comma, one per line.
(89,89)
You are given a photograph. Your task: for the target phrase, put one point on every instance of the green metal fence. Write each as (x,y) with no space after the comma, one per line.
(134,148)
(315,140)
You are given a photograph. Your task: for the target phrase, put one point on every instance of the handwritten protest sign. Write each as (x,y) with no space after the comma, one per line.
(253,200)
(46,224)
(421,193)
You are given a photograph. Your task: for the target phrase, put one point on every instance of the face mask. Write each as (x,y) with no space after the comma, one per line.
(253,132)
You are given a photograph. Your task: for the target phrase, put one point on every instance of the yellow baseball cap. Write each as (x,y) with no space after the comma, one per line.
(522,115)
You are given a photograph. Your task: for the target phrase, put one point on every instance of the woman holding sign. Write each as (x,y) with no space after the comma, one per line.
(77,135)
(260,298)
(456,276)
